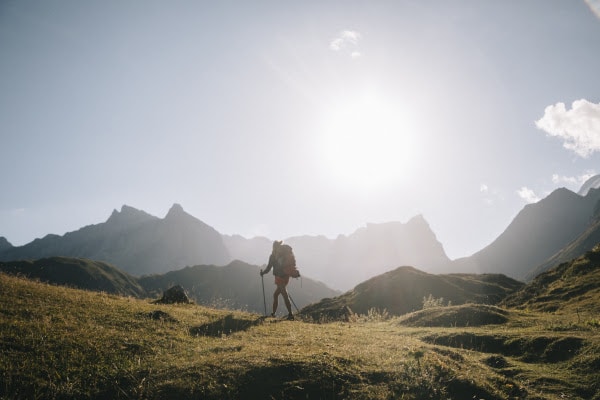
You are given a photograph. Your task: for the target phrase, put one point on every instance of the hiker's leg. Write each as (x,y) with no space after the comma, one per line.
(275,299)
(286,299)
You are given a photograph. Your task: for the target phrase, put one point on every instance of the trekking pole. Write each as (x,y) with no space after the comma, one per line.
(290,296)
(262,279)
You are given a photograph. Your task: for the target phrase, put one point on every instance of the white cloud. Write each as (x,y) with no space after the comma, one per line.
(579,127)
(346,40)
(573,180)
(528,195)
(490,195)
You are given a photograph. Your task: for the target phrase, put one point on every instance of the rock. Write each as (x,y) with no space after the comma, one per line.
(175,294)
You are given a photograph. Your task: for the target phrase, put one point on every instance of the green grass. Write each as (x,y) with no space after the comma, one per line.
(60,343)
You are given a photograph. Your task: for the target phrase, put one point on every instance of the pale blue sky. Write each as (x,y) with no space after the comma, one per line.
(287,118)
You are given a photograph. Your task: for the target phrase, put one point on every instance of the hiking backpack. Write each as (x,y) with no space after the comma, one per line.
(285,262)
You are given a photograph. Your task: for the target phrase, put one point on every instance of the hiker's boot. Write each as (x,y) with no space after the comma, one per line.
(290,317)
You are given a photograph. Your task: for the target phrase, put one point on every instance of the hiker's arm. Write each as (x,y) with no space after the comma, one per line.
(269,266)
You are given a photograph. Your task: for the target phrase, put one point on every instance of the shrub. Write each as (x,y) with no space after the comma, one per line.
(431,302)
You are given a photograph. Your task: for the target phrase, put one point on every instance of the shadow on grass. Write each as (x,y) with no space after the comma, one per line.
(225,326)
(528,349)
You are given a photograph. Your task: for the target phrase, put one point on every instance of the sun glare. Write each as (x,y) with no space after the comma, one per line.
(367,143)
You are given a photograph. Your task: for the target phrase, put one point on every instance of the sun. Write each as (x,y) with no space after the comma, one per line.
(367,143)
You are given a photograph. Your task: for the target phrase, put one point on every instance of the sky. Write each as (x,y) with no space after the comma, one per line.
(281,118)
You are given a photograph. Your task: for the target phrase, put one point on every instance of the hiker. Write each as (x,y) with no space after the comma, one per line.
(284,266)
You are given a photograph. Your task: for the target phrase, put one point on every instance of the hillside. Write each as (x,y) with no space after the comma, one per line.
(65,343)
(235,286)
(402,291)
(572,287)
(77,273)
(577,247)
(537,233)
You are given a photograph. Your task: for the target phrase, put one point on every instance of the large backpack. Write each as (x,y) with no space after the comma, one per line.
(285,262)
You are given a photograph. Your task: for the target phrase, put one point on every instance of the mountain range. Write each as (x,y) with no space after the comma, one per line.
(559,227)
(135,241)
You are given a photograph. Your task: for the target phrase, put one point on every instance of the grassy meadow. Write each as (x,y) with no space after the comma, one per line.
(62,343)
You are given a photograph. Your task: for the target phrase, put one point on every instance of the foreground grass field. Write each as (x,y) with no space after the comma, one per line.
(60,343)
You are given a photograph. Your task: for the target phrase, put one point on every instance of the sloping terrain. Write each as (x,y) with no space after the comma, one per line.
(236,286)
(571,287)
(583,243)
(58,342)
(537,233)
(402,291)
(78,273)
(457,316)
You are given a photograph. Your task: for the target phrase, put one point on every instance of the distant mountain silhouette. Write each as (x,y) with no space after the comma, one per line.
(402,291)
(348,260)
(135,241)
(78,273)
(142,244)
(254,251)
(537,233)
(235,286)
(572,286)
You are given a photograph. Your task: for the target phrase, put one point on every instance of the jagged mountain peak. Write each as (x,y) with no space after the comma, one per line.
(176,211)
(128,215)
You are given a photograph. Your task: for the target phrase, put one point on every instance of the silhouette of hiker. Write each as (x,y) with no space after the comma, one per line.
(281,280)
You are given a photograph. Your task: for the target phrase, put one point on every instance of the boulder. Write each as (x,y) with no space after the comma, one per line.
(175,294)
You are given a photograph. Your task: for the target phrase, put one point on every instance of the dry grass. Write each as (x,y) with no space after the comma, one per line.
(59,343)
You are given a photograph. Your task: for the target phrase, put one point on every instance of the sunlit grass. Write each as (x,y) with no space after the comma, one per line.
(64,343)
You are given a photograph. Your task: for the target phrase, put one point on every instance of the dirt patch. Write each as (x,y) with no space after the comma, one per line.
(225,326)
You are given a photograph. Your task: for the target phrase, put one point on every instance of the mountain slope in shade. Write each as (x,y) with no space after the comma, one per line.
(402,291)
(235,286)
(4,244)
(137,242)
(76,272)
(585,242)
(538,232)
(573,287)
